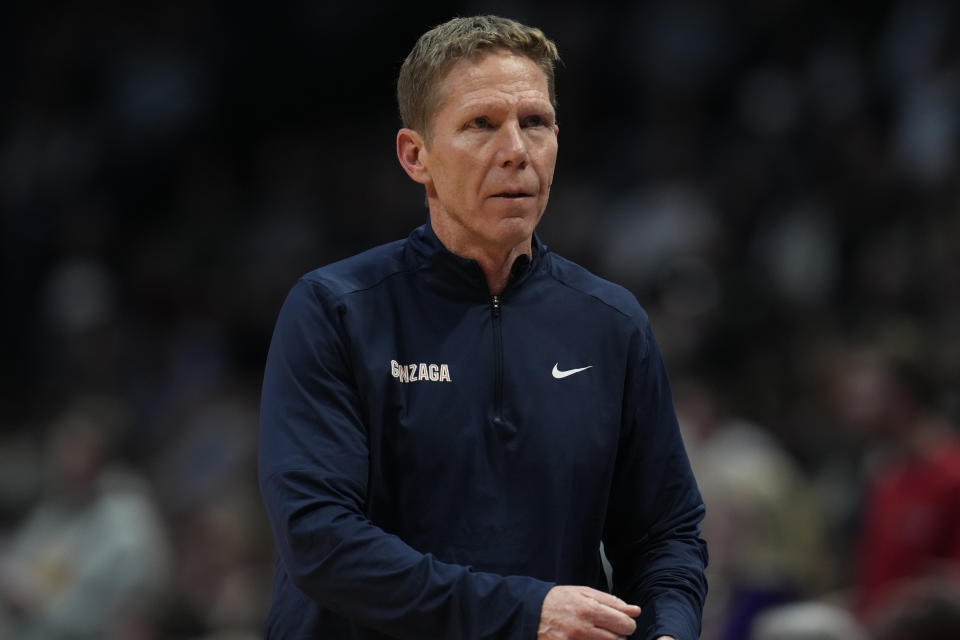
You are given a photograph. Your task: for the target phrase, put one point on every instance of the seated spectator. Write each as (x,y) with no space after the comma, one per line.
(91,558)
(910,525)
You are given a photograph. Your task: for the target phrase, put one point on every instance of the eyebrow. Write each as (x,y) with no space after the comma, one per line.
(540,105)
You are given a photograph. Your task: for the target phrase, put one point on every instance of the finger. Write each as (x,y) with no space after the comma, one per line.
(612,620)
(602,634)
(611,600)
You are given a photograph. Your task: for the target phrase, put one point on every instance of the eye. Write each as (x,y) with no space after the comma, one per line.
(480,123)
(537,121)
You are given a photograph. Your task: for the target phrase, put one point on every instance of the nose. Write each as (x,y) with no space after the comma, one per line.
(513,146)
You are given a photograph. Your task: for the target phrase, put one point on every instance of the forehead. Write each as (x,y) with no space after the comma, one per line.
(491,75)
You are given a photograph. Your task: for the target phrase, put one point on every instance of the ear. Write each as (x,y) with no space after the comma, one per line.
(410,147)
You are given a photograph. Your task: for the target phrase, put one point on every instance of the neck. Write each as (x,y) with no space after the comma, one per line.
(497,266)
(495,260)
(925,434)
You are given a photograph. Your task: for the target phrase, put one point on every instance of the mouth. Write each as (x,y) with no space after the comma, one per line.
(512,194)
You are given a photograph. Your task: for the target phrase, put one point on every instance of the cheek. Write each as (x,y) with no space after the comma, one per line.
(548,158)
(546,173)
(466,172)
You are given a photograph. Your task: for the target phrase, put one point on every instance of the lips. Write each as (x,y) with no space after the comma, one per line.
(512,194)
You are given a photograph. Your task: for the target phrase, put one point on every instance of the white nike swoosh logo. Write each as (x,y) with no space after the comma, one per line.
(569,372)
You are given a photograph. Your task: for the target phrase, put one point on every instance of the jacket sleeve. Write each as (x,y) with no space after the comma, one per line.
(313,470)
(652,534)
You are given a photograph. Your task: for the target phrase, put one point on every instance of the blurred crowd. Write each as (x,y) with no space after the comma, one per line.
(777,181)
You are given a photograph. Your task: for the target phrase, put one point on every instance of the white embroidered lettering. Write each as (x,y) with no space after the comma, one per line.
(420,372)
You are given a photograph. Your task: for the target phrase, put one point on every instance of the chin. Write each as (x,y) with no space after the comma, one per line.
(514,230)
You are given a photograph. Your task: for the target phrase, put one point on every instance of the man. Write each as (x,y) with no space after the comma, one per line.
(451,424)
(909,538)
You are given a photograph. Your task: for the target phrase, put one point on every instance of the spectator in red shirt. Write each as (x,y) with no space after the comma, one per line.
(910,527)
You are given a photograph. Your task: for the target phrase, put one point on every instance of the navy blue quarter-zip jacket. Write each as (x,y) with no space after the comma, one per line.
(434,459)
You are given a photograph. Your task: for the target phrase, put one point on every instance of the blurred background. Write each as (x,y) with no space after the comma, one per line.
(776,180)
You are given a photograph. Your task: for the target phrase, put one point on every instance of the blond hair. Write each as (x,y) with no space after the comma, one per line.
(461,38)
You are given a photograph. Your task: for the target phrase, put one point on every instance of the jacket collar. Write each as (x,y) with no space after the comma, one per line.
(463,276)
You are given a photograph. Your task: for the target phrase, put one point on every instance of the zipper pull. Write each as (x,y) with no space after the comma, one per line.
(495,306)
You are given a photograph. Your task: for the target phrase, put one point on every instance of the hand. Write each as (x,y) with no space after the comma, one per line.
(582,613)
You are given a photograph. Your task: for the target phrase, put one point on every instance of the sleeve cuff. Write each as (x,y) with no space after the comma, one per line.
(533,606)
(667,616)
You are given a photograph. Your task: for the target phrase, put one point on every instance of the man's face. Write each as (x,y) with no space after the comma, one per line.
(492,149)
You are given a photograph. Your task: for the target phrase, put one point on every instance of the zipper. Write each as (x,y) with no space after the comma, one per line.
(497,360)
